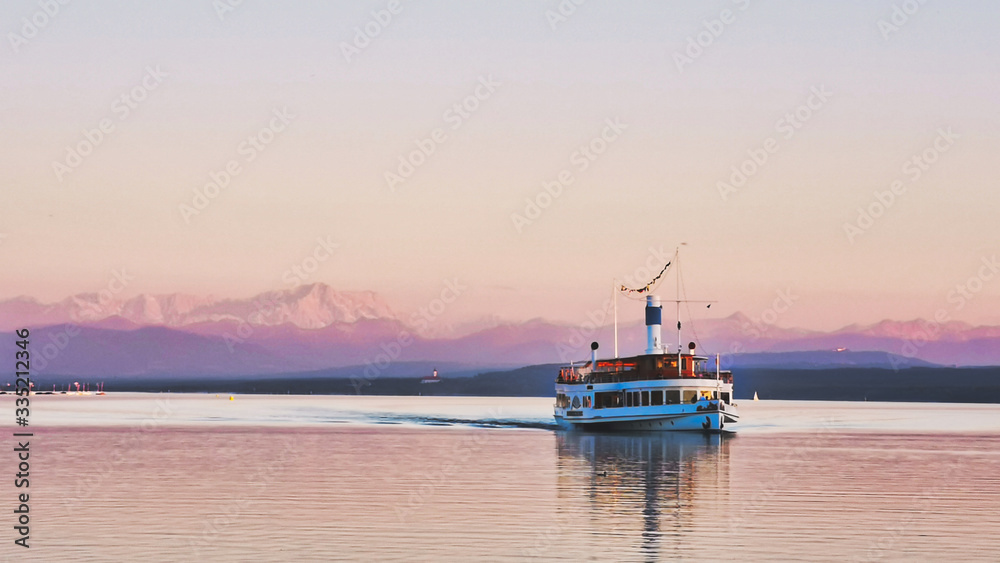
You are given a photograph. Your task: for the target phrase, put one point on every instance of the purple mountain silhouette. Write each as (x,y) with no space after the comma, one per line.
(316,327)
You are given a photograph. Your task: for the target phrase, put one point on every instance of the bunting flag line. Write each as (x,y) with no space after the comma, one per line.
(645,288)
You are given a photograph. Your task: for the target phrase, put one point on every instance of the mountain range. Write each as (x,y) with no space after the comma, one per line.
(315,327)
(308,307)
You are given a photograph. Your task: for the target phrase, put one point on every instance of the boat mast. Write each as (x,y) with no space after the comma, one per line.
(614,301)
(677,267)
(718,382)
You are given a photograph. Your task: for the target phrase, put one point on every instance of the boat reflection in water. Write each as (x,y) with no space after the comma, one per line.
(654,494)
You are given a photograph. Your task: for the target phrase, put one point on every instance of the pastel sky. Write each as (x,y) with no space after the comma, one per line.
(926,88)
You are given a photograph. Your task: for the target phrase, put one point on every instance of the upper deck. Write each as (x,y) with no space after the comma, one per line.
(643,368)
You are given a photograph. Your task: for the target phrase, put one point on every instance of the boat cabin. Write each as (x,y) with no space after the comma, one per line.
(643,368)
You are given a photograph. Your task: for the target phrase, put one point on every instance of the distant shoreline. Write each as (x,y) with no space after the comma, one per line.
(936,385)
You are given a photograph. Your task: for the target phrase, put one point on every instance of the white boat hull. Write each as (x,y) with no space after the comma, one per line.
(582,406)
(704,421)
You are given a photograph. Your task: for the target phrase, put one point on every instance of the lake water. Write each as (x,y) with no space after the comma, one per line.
(161,477)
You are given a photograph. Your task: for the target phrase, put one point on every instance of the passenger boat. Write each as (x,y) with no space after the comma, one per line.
(658,390)
(432,378)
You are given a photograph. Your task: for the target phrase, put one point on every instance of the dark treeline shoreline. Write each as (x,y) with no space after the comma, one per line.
(957,385)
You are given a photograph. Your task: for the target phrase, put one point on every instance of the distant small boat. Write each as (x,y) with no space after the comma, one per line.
(432,378)
(755,396)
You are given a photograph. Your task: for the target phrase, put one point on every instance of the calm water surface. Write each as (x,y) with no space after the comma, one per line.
(203,478)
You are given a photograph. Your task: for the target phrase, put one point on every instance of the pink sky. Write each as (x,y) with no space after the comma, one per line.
(833,107)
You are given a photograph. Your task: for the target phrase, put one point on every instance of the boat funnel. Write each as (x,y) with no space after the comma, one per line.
(593,355)
(654,318)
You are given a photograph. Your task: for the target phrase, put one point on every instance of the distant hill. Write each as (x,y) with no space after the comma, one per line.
(821,359)
(937,385)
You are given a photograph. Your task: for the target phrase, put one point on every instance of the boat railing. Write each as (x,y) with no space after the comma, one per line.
(574,375)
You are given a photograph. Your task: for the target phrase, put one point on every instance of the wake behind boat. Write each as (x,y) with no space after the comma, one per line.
(657,390)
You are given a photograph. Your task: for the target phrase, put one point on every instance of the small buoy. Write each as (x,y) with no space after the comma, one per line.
(231,398)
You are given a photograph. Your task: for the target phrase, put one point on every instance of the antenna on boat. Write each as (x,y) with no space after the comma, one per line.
(614,301)
(677,262)
(678,301)
(718,382)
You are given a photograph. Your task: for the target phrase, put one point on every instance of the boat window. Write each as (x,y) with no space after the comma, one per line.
(656,398)
(725,398)
(607,400)
(673,397)
(645,398)
(690,396)
(628,400)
